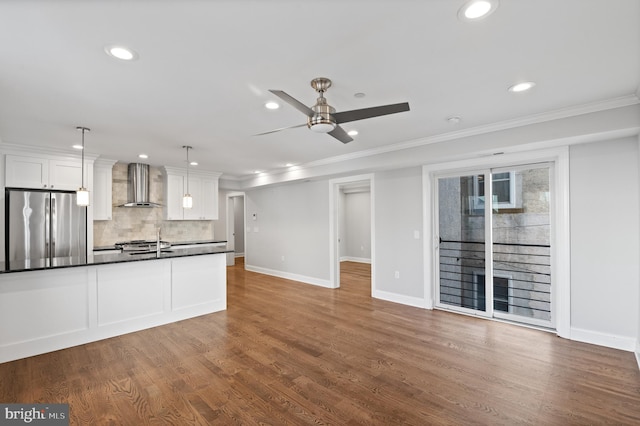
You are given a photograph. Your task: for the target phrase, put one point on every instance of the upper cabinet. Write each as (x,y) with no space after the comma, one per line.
(203,187)
(102,189)
(35,172)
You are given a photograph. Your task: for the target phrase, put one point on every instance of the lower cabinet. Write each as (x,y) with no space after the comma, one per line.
(59,308)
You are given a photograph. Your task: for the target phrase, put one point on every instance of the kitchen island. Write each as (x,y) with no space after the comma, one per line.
(51,305)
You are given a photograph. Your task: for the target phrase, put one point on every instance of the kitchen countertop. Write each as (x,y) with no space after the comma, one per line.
(69,262)
(181,243)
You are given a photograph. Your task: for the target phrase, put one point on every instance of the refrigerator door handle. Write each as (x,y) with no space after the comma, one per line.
(47,227)
(54,228)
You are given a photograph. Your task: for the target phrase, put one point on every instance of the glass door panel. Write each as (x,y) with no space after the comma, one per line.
(461,247)
(521,244)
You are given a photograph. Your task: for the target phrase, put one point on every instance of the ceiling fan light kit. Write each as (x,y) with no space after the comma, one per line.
(323,118)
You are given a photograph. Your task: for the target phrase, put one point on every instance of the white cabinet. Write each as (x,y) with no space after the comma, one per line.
(102,189)
(34,172)
(173,197)
(203,187)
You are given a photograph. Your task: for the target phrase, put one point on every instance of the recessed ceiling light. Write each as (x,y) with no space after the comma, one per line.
(288,164)
(194,163)
(454,120)
(77,147)
(121,52)
(477,9)
(143,156)
(352,132)
(522,87)
(257,172)
(359,95)
(271,105)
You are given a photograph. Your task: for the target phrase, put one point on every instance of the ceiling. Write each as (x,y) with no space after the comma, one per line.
(205,67)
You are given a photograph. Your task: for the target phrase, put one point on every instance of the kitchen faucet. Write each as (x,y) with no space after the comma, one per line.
(158,246)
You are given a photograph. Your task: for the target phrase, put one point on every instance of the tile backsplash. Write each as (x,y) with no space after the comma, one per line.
(134,223)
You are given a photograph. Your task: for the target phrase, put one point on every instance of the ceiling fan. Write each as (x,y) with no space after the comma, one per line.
(323,118)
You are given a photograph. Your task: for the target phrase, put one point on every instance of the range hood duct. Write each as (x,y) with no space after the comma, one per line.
(138,186)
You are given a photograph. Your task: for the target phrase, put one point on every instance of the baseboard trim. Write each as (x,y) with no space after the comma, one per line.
(638,352)
(355,259)
(289,276)
(605,339)
(402,299)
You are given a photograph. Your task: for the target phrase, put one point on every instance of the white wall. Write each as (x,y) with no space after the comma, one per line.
(398,216)
(292,223)
(605,239)
(357,227)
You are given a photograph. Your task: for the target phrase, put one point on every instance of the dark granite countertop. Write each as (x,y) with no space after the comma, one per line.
(104,259)
(176,244)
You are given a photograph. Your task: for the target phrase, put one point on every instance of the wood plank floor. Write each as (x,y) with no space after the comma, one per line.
(290,353)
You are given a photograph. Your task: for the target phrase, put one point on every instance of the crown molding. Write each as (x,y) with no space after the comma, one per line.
(44,151)
(619,102)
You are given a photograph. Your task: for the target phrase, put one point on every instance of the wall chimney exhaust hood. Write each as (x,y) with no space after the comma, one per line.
(138,186)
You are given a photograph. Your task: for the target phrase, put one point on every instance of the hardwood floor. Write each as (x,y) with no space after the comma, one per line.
(291,353)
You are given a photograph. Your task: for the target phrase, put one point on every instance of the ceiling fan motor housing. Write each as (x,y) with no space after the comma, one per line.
(322,120)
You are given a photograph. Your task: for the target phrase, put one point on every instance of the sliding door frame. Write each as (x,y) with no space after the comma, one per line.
(560,232)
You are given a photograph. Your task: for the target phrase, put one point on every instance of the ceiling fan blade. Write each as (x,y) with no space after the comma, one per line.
(281,128)
(340,134)
(360,114)
(293,102)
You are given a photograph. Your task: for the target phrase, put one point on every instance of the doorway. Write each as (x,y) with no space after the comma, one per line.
(558,161)
(351,224)
(494,257)
(235,226)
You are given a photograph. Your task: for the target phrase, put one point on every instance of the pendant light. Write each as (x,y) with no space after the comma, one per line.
(82,194)
(187,200)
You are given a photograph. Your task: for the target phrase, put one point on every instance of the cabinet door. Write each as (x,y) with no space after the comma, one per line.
(102,193)
(173,197)
(195,188)
(210,199)
(26,172)
(65,174)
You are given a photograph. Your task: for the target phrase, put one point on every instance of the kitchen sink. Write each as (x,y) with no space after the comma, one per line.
(150,251)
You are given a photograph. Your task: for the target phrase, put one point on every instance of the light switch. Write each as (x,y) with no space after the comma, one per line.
(416,234)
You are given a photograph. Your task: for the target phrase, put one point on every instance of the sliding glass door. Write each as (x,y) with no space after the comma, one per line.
(461,234)
(494,257)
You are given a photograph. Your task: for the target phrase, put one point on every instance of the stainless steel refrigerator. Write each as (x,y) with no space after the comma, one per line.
(44,225)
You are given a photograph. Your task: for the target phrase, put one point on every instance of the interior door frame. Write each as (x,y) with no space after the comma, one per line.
(230,221)
(334,210)
(560,236)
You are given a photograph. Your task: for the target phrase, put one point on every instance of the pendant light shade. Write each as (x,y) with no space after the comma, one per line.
(187,200)
(82,194)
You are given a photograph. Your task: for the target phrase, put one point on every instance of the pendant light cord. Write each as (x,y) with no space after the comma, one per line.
(82,154)
(82,164)
(187,147)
